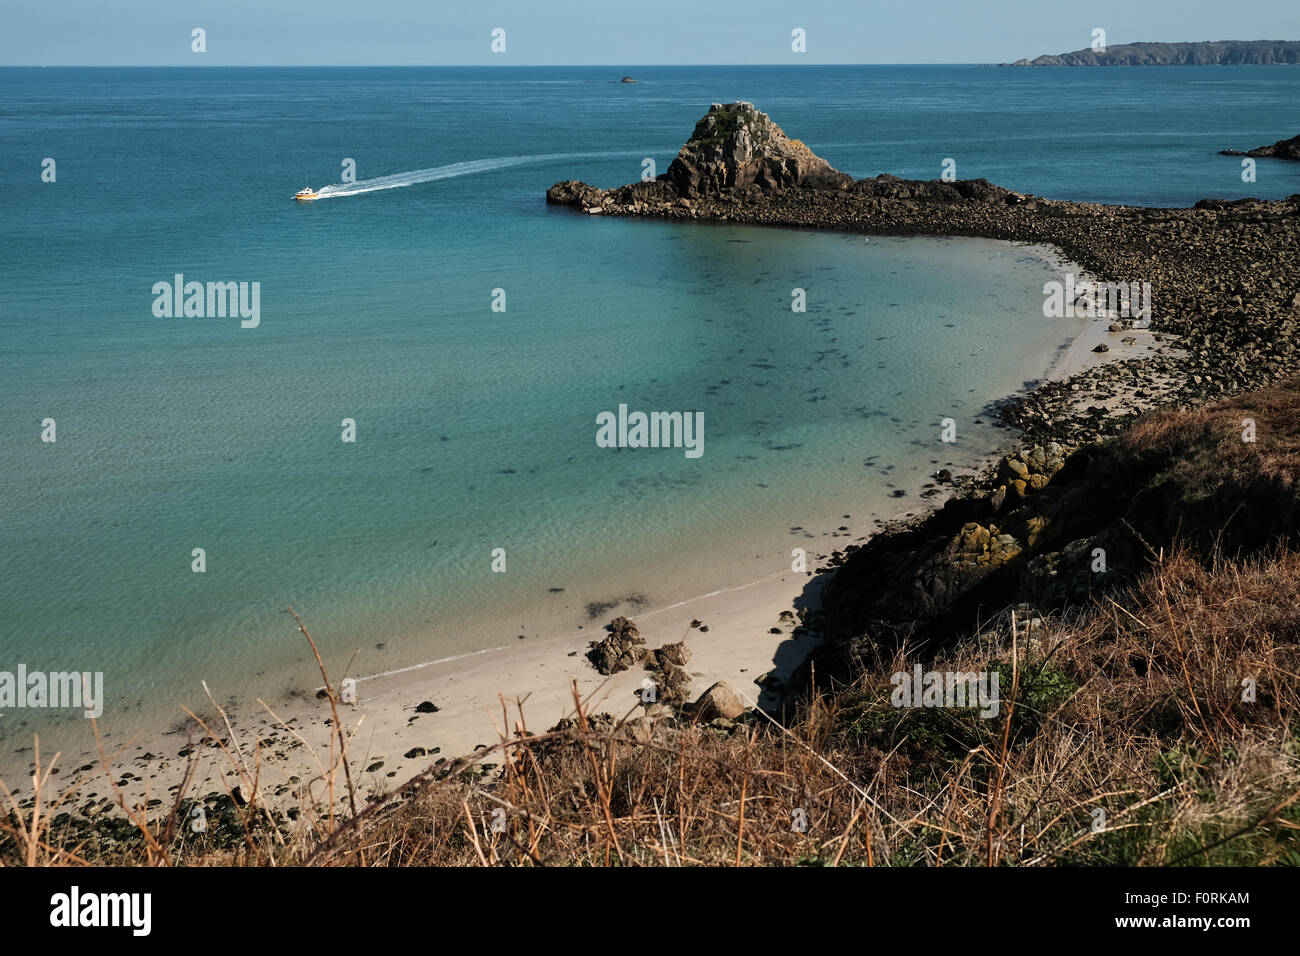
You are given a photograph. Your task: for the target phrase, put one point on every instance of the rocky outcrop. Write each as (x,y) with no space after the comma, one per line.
(1053,528)
(1204,53)
(672,682)
(735,148)
(1226,299)
(735,145)
(1282,149)
(676,654)
(622,649)
(1224,291)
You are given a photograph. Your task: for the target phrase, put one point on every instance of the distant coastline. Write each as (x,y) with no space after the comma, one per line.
(1200,53)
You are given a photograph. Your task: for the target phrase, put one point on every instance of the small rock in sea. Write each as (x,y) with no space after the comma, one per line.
(774,630)
(695,623)
(426,707)
(555,590)
(704,627)
(897,493)
(415,752)
(1103,347)
(521,637)
(943,476)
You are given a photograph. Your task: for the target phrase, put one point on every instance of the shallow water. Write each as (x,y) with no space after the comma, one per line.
(475,428)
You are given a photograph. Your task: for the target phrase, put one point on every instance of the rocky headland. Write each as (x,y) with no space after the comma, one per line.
(1225,275)
(1282,149)
(1028,533)
(1202,53)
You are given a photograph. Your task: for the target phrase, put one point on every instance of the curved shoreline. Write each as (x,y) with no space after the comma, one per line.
(738,646)
(1185,253)
(1223,274)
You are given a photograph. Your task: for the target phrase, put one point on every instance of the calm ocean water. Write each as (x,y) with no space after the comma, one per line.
(476,428)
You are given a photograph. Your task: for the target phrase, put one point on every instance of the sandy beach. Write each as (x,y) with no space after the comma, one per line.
(745,634)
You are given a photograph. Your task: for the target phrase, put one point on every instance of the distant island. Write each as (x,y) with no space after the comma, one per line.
(1203,53)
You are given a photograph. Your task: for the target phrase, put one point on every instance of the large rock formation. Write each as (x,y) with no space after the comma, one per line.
(1204,53)
(1225,274)
(734,149)
(735,145)
(1282,149)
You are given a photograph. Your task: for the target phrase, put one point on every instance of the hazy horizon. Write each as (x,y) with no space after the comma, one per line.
(674,33)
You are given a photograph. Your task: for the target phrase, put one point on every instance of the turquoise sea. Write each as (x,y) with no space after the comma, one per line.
(475,428)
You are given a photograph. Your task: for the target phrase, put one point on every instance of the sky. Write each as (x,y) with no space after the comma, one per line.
(605,32)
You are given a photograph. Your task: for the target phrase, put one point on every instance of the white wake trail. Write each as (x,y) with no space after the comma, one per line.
(450,171)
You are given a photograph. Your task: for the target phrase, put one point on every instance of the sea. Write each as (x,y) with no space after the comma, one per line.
(397,437)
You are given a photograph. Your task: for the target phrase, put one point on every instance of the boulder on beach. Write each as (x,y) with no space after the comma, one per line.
(678,654)
(720,700)
(671,684)
(622,649)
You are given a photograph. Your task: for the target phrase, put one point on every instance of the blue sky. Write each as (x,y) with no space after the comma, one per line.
(607,32)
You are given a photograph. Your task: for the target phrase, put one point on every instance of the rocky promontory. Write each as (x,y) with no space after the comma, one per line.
(1282,149)
(1225,274)
(735,146)
(1225,279)
(1203,53)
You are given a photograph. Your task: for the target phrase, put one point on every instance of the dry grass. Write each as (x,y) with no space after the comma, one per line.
(1205,446)
(1134,707)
